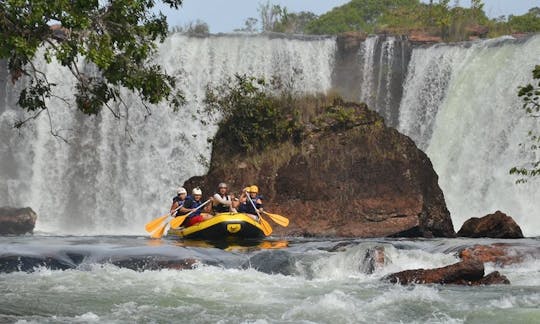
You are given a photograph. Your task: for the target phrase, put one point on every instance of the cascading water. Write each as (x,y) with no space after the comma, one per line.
(383,66)
(460,104)
(115,175)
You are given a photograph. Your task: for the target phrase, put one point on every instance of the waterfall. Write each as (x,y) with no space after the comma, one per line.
(383,66)
(114,175)
(460,105)
(458,102)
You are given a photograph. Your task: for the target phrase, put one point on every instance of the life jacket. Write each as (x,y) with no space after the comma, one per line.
(247,206)
(190,203)
(180,202)
(221,208)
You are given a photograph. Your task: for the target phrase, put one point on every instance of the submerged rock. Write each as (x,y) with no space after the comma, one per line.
(501,254)
(374,259)
(17,220)
(496,225)
(469,272)
(352,178)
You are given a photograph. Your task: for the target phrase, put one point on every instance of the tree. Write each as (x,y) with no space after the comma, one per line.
(117,37)
(530,94)
(270,15)
(294,23)
(250,26)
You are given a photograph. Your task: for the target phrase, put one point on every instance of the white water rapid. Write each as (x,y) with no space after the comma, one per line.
(457,102)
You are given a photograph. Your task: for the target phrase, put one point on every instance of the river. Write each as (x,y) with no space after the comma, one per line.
(133,279)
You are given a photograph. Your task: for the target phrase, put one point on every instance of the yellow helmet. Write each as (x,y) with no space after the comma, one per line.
(254,189)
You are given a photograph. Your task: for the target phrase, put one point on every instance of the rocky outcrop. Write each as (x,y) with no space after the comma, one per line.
(470,272)
(501,254)
(17,220)
(350,176)
(497,225)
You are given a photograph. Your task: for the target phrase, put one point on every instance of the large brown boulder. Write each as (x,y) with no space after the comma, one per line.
(497,225)
(353,178)
(470,272)
(17,220)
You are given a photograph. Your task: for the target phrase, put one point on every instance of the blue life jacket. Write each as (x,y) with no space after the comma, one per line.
(190,203)
(247,206)
(176,199)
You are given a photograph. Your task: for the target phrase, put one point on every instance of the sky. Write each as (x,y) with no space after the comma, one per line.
(226,15)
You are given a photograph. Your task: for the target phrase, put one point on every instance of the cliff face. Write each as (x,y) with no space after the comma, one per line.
(351,177)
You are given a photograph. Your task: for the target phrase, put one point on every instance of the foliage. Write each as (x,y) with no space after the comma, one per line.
(255,113)
(271,15)
(530,95)
(529,22)
(357,15)
(294,23)
(117,37)
(193,28)
(250,26)
(440,18)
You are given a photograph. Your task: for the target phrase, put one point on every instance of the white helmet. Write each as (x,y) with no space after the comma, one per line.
(197,191)
(181,190)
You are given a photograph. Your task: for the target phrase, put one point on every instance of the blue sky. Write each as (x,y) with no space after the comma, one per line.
(226,15)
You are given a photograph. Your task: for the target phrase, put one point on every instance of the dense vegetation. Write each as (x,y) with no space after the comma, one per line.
(440,19)
(254,113)
(117,37)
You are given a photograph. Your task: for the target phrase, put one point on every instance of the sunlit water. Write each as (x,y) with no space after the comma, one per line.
(107,279)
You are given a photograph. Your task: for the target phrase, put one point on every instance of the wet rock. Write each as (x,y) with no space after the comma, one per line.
(13,263)
(458,273)
(494,278)
(374,259)
(272,262)
(17,220)
(154,263)
(500,254)
(357,179)
(497,225)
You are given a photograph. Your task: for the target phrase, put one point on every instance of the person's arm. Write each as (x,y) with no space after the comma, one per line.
(174,206)
(186,208)
(218,199)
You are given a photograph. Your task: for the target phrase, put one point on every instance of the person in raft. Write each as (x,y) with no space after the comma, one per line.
(178,201)
(190,205)
(246,206)
(222,201)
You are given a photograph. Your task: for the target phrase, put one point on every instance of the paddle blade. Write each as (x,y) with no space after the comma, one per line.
(280,220)
(175,223)
(267,229)
(159,232)
(154,224)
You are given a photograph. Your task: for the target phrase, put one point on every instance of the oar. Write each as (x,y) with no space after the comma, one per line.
(280,220)
(180,219)
(267,229)
(154,224)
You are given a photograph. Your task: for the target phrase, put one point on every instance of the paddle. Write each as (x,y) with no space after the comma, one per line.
(180,219)
(267,229)
(278,219)
(154,224)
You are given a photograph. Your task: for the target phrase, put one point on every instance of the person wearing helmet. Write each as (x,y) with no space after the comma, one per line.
(222,202)
(246,206)
(178,201)
(191,204)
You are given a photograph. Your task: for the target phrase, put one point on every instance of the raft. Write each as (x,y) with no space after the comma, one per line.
(221,226)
